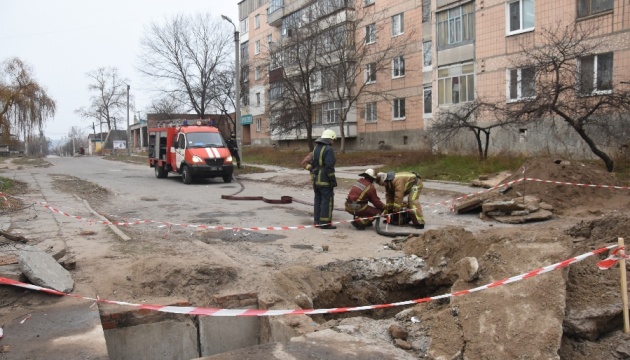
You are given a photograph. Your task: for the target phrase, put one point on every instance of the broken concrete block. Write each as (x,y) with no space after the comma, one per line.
(467,205)
(468,269)
(397,332)
(539,215)
(519,212)
(505,206)
(43,270)
(546,206)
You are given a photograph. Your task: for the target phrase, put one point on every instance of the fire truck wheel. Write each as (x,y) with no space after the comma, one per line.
(160,173)
(186,176)
(227,178)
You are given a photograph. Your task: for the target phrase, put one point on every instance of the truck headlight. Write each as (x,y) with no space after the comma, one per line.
(229,159)
(196,159)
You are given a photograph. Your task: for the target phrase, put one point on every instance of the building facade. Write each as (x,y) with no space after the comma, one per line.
(453,52)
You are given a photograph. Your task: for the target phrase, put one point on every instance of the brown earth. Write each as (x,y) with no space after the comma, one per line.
(585,219)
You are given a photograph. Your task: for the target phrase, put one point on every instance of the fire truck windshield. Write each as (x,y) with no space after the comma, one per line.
(204,139)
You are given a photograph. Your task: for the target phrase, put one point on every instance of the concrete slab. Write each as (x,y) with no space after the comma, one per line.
(68,329)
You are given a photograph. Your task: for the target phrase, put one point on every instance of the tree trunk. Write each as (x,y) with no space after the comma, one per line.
(591,144)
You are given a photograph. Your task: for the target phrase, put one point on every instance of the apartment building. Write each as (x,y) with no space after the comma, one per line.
(453,53)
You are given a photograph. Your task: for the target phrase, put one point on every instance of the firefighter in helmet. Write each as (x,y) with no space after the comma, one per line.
(361,194)
(322,168)
(233,146)
(397,187)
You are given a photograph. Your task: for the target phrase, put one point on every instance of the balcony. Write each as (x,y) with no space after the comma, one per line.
(350,131)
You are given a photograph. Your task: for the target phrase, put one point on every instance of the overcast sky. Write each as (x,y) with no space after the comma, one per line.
(62,40)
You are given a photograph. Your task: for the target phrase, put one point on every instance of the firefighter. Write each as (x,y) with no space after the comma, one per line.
(397,186)
(361,194)
(322,168)
(233,146)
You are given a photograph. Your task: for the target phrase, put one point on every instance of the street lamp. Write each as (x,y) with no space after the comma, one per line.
(128,130)
(237,106)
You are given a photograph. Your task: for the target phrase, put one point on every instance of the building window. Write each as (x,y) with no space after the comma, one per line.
(456,25)
(274,5)
(428,101)
(275,90)
(456,84)
(257,47)
(245,51)
(370,73)
(244,26)
(398,67)
(257,99)
(596,74)
(256,21)
(315,80)
(426,11)
(245,99)
(370,34)
(399,109)
(520,16)
(257,72)
(370,112)
(398,25)
(591,7)
(259,125)
(427,55)
(331,111)
(521,83)
(245,74)
(269,39)
(522,135)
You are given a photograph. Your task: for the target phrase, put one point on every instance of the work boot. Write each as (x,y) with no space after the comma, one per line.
(419,226)
(327,226)
(357,225)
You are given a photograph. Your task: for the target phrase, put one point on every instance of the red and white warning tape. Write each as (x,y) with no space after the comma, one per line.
(301,227)
(189,310)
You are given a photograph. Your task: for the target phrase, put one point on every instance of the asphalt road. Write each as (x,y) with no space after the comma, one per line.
(138,194)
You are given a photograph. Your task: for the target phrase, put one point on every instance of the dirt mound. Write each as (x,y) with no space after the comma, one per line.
(570,198)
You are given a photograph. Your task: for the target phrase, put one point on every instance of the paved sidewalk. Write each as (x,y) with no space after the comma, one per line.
(57,327)
(352,172)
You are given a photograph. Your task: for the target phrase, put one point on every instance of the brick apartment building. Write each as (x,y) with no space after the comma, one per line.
(459,50)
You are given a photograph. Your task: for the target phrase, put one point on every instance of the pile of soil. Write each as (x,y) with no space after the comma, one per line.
(571,199)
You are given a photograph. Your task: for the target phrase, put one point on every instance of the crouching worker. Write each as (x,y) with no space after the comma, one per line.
(361,194)
(397,187)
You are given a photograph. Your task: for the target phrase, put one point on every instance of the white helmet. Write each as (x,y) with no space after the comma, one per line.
(369,173)
(329,134)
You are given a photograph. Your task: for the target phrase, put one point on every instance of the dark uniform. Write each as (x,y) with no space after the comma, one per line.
(322,168)
(233,147)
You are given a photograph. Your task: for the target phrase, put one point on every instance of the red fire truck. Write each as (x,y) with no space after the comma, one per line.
(190,148)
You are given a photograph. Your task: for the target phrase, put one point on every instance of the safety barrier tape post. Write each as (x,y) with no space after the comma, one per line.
(624,288)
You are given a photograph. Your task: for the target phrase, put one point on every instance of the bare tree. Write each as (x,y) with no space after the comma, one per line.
(108,101)
(165,105)
(350,61)
(319,59)
(573,75)
(24,104)
(183,56)
(450,122)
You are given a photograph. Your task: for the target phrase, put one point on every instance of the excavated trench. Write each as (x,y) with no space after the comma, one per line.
(359,282)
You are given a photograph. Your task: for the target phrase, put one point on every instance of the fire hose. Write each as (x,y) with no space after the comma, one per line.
(290,199)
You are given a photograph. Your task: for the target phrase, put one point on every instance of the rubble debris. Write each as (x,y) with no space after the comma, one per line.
(468,269)
(12,237)
(43,270)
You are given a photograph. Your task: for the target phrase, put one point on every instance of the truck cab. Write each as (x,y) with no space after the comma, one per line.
(193,150)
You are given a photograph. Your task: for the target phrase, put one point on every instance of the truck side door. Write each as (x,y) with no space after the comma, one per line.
(180,150)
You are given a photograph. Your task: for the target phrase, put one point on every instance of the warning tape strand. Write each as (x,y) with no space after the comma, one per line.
(190,310)
(302,227)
